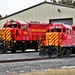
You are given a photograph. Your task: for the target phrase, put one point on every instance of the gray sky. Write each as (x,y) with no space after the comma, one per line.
(8,7)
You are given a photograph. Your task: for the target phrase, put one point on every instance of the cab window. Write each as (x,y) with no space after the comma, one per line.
(19,26)
(68,31)
(12,26)
(56,30)
(24,27)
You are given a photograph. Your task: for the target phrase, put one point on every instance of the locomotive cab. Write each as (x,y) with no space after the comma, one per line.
(63,32)
(16,29)
(12,33)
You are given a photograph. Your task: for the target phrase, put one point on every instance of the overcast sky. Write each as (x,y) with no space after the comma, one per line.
(8,7)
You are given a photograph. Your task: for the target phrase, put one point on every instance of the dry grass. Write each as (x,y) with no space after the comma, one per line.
(51,72)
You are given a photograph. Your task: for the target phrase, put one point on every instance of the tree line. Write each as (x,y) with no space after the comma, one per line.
(66,2)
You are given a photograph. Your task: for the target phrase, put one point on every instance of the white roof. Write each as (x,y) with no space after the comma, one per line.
(68,26)
(22,22)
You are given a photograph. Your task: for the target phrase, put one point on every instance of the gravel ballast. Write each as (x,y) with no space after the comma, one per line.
(30,66)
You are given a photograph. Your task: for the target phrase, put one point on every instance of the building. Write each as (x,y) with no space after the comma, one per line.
(44,12)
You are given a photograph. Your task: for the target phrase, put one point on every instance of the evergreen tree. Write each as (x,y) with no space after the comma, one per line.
(63,2)
(54,1)
(67,2)
(74,3)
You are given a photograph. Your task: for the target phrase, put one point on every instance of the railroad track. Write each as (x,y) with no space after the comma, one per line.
(33,59)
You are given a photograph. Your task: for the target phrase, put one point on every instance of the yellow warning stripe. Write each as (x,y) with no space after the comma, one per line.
(52,38)
(3,36)
(6,34)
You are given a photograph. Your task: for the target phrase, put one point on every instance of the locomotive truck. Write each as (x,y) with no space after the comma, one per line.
(18,35)
(60,40)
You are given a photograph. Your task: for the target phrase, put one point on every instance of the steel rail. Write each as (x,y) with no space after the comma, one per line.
(33,59)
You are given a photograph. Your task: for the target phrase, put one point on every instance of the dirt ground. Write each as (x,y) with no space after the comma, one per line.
(51,72)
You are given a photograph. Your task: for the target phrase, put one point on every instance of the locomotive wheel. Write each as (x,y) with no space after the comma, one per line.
(58,54)
(3,46)
(49,52)
(5,49)
(46,51)
(66,52)
(41,53)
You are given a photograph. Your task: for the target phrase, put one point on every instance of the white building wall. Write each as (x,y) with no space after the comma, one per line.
(43,13)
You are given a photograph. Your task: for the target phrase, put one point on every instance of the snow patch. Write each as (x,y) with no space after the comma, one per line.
(68,67)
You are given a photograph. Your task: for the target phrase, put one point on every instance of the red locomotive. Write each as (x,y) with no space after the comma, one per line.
(54,39)
(60,40)
(21,35)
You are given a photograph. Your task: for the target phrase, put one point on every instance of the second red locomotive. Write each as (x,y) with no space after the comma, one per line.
(60,40)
